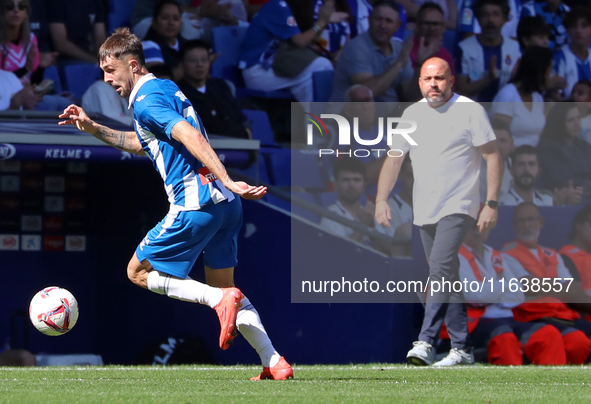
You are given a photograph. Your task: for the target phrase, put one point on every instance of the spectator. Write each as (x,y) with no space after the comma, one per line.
(581,94)
(449,10)
(13,95)
(338,31)
(349,176)
(564,157)
(374,58)
(506,147)
(162,71)
(362,9)
(77,29)
(163,42)
(573,60)
(469,25)
(528,260)
(577,255)
(428,41)
(401,212)
(273,24)
(143,10)
(19,51)
(553,12)
(212,99)
(102,98)
(486,60)
(215,13)
(525,170)
(520,103)
(491,322)
(360,104)
(533,31)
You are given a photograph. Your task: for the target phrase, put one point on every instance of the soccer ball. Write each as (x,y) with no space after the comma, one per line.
(53,311)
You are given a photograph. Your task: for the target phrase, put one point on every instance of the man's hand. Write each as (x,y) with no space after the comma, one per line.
(573,195)
(26,98)
(404,55)
(365,214)
(487,219)
(246,191)
(76,116)
(383,214)
(555,83)
(493,71)
(426,51)
(325,13)
(46,59)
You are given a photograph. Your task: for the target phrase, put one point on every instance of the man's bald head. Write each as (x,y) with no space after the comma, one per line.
(436,81)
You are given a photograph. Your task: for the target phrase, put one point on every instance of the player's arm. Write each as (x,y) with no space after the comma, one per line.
(126,141)
(386,182)
(494,176)
(199,147)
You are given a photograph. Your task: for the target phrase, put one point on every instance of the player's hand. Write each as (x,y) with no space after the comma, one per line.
(383,214)
(76,116)
(247,191)
(487,220)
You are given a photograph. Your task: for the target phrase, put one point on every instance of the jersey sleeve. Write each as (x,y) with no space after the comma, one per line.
(157,115)
(280,21)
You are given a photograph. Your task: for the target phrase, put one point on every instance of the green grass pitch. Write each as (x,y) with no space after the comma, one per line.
(313,384)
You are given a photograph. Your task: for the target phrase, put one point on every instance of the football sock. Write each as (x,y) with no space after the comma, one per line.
(250,326)
(186,289)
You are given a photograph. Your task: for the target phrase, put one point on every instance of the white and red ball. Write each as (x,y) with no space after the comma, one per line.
(53,311)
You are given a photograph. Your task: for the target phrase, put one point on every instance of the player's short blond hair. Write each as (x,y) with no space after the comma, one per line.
(123,42)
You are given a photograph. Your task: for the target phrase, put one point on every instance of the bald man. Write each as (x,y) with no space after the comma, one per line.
(453,134)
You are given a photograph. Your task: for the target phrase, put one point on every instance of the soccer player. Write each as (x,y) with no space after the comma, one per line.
(453,134)
(205,215)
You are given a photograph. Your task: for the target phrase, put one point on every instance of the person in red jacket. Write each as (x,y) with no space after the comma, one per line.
(528,261)
(577,255)
(490,318)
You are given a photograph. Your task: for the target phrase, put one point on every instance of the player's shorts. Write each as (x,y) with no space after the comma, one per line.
(174,244)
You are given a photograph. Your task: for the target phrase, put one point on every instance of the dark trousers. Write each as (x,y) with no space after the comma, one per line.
(442,242)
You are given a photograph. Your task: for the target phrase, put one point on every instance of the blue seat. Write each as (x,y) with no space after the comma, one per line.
(279,166)
(261,127)
(52,73)
(120,14)
(322,85)
(263,174)
(306,173)
(227,41)
(80,76)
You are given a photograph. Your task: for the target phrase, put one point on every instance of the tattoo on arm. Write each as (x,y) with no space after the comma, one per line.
(118,139)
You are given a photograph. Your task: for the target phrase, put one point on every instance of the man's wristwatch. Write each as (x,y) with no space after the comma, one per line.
(492,204)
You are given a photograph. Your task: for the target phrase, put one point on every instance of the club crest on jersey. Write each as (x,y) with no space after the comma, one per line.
(181,95)
(508,60)
(141,97)
(291,21)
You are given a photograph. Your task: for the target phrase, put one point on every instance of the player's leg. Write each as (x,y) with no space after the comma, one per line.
(165,257)
(220,259)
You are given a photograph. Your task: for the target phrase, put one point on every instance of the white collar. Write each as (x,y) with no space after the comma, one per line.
(143,80)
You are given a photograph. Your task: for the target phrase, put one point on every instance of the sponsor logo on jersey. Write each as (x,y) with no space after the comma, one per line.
(141,97)
(181,95)
(206,176)
(508,60)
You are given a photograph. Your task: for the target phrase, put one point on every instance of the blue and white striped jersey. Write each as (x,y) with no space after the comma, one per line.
(573,69)
(158,106)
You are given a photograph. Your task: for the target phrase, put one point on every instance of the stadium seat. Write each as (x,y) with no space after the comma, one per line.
(298,210)
(120,14)
(263,174)
(79,77)
(306,173)
(322,84)
(261,127)
(52,73)
(279,166)
(227,42)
